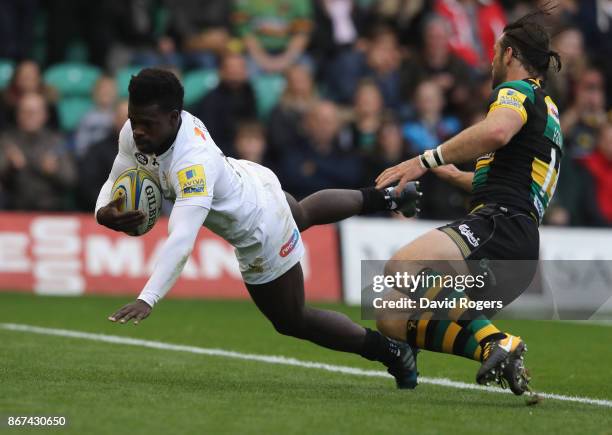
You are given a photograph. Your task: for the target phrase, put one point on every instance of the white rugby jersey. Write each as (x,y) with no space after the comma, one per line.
(207,188)
(194,171)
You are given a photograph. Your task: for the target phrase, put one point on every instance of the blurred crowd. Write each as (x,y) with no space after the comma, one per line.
(327,93)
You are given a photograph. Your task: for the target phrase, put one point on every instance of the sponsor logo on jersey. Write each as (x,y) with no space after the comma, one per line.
(511,99)
(486,156)
(510,102)
(141,158)
(199,132)
(511,94)
(192,181)
(469,235)
(552,109)
(288,247)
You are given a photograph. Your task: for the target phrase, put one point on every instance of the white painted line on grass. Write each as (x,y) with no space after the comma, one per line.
(271,359)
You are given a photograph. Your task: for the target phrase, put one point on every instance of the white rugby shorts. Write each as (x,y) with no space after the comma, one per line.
(279,244)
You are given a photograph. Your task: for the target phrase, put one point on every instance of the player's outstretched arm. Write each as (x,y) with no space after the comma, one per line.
(492,133)
(185,223)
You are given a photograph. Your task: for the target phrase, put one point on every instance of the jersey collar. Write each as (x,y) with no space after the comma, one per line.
(538,82)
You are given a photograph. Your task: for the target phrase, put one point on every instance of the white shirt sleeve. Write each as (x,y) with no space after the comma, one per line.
(185,223)
(122,162)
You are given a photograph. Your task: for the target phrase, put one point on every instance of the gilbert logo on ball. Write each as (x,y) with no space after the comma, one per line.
(140,191)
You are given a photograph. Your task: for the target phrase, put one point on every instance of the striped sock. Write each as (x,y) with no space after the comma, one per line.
(473,321)
(478,324)
(442,336)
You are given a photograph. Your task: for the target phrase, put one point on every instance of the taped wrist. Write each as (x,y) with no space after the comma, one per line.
(432,158)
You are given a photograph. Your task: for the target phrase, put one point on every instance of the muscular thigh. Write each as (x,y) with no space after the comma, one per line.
(281,299)
(433,249)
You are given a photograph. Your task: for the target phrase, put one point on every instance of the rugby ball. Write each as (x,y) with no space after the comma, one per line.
(140,191)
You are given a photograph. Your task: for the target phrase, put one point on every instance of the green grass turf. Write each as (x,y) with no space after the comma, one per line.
(107,388)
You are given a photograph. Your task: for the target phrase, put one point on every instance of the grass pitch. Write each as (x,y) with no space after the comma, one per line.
(112,388)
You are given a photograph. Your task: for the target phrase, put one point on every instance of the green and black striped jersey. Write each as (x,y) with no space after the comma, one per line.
(523,174)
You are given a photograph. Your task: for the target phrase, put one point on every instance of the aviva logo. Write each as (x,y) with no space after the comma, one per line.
(192,181)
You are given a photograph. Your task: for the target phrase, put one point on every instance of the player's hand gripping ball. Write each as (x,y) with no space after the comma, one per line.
(136,190)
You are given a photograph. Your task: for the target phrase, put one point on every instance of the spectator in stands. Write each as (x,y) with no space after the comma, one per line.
(584,188)
(201,32)
(27,79)
(97,123)
(429,127)
(35,165)
(383,65)
(286,119)
(92,23)
(231,102)
(337,45)
(594,17)
(475,26)
(95,163)
(320,163)
(250,143)
(437,62)
(162,51)
(133,34)
(569,43)
(275,32)
(367,116)
(599,166)
(390,150)
(441,200)
(404,16)
(581,121)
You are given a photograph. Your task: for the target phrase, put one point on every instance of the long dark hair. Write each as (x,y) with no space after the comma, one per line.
(530,42)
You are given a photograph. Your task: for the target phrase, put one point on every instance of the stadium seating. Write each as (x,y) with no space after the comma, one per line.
(71,110)
(197,83)
(6,72)
(72,79)
(268,89)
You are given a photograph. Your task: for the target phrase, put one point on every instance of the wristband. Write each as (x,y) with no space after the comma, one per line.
(438,155)
(432,158)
